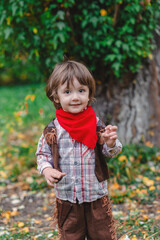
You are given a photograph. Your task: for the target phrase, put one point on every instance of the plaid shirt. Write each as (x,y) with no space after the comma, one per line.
(78,162)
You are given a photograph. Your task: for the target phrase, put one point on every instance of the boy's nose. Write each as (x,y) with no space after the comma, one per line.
(75,96)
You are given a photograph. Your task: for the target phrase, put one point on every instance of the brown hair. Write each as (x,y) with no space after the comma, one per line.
(66,72)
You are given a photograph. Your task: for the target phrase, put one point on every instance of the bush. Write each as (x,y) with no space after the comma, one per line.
(111,37)
(133,160)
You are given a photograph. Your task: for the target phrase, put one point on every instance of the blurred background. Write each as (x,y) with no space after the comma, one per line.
(119,41)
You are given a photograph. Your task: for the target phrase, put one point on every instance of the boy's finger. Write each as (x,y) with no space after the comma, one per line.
(105,135)
(112,134)
(60,175)
(114,128)
(63,174)
(49,183)
(111,128)
(108,126)
(51,179)
(57,174)
(113,137)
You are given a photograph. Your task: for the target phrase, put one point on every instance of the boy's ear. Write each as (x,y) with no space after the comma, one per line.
(56,100)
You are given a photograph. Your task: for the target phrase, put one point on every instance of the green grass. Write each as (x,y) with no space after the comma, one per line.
(24,112)
(12,100)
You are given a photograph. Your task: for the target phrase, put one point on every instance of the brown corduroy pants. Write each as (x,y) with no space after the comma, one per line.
(92,220)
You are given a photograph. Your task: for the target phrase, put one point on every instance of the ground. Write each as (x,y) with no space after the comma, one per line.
(26,213)
(27,203)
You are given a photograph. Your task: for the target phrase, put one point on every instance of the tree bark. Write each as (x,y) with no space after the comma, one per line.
(134,107)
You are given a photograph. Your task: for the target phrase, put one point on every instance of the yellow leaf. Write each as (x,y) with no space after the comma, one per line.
(26,229)
(35,30)
(128,173)
(150,56)
(151,188)
(37,221)
(131,158)
(115,186)
(6,215)
(3,174)
(32,97)
(20,224)
(158,157)
(148,182)
(27,97)
(134,238)
(8,20)
(44,208)
(145,217)
(149,144)
(36,53)
(123,158)
(144,191)
(52,194)
(151,133)
(17,114)
(15,213)
(103,12)
(26,105)
(21,135)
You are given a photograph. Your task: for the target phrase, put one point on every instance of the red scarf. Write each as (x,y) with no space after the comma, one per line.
(81,126)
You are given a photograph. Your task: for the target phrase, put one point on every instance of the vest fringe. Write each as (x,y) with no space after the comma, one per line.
(107,205)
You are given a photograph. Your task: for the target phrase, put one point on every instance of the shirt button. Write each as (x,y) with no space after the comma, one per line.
(77,180)
(75,163)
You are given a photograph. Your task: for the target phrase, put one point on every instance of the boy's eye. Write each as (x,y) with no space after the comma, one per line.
(67,92)
(81,90)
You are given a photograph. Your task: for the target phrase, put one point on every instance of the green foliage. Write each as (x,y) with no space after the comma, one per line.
(36,186)
(23,118)
(112,35)
(125,167)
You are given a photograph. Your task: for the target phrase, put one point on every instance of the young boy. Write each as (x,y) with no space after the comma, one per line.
(70,155)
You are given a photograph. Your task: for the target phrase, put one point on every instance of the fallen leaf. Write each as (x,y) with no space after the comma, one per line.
(148,182)
(3,174)
(20,224)
(145,217)
(123,158)
(44,208)
(37,221)
(151,188)
(26,229)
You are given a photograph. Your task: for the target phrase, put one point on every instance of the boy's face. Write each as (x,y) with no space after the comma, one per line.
(73,99)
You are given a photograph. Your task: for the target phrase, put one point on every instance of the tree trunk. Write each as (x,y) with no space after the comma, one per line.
(134,107)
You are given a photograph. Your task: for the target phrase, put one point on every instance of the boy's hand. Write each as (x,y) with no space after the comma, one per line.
(110,135)
(52,175)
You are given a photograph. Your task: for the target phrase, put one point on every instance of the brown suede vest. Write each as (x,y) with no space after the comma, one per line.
(101,169)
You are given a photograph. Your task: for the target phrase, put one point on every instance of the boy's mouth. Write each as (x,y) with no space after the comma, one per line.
(75,105)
